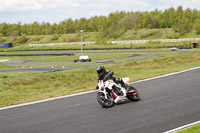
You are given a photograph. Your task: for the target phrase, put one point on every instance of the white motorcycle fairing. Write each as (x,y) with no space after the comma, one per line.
(110,93)
(126,80)
(109,84)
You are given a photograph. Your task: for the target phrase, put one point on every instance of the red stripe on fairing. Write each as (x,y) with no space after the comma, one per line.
(132,91)
(127,81)
(100,82)
(114,94)
(109,84)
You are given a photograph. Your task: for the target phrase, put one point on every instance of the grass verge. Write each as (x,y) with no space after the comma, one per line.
(96,56)
(18,87)
(192,129)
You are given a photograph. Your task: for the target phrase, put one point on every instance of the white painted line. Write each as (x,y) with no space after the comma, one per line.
(179,128)
(50,99)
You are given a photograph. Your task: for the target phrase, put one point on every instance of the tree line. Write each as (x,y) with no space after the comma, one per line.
(113,25)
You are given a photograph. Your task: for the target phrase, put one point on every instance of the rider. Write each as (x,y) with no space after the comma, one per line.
(104,75)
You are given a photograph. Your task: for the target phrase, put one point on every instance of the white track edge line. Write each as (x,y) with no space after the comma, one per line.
(50,99)
(182,127)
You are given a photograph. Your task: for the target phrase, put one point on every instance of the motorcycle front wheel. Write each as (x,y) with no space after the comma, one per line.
(106,103)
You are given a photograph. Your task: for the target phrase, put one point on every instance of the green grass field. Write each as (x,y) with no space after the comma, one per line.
(93,56)
(192,129)
(17,87)
(96,56)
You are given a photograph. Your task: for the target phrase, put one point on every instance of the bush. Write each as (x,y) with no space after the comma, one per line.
(55,37)
(3,39)
(72,38)
(21,39)
(173,36)
(116,32)
(154,42)
(101,42)
(36,39)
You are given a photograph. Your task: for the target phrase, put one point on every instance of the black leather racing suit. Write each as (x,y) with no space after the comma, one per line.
(109,75)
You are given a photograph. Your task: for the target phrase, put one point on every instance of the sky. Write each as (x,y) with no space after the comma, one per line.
(55,11)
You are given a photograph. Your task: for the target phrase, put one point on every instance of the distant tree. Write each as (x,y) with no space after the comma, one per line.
(67,26)
(171,12)
(165,22)
(178,23)
(113,25)
(128,21)
(146,20)
(101,23)
(155,18)
(187,21)
(197,26)
(194,15)
(92,24)
(4,29)
(35,28)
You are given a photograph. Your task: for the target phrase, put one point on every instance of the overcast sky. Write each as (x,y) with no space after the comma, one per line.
(55,11)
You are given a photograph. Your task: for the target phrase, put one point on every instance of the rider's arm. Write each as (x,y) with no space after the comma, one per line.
(108,75)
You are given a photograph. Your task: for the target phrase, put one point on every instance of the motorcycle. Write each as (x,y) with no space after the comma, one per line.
(110,93)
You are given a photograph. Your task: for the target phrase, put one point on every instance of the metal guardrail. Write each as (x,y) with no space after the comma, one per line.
(159,40)
(120,42)
(59,44)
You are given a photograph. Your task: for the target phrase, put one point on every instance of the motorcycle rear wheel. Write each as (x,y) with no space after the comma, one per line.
(134,96)
(106,103)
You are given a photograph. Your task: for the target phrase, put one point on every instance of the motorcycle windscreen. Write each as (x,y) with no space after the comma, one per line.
(126,80)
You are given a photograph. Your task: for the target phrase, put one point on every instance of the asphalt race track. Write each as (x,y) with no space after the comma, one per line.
(44,69)
(59,68)
(137,54)
(167,103)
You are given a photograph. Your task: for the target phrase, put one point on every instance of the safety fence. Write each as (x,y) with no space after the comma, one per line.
(157,40)
(121,42)
(59,44)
